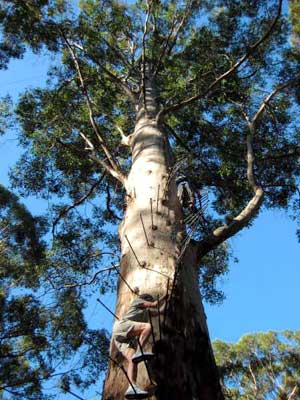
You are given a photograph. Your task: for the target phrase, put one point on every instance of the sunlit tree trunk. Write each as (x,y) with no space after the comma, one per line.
(184,366)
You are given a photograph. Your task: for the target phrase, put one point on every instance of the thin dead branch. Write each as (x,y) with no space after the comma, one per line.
(86,283)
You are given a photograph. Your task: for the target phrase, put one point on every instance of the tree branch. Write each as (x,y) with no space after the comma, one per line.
(108,169)
(118,53)
(252,126)
(108,207)
(65,210)
(86,283)
(292,396)
(179,140)
(89,144)
(292,152)
(92,155)
(115,167)
(250,153)
(125,139)
(165,47)
(103,164)
(173,36)
(253,378)
(226,74)
(267,100)
(181,24)
(113,78)
(145,31)
(223,233)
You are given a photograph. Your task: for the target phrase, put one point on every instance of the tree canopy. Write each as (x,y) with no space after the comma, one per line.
(260,366)
(227,79)
(213,83)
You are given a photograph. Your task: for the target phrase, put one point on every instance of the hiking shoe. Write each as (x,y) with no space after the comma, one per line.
(139,356)
(134,392)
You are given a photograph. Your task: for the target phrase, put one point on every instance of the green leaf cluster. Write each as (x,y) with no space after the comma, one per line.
(260,365)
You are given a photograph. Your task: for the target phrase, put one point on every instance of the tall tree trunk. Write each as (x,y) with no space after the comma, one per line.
(183,367)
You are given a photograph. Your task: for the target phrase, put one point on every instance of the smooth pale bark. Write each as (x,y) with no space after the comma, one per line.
(184,366)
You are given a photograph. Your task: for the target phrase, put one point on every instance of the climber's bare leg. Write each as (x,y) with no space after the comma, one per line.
(142,330)
(131,367)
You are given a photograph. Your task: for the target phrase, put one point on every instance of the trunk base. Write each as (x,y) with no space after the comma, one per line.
(183,367)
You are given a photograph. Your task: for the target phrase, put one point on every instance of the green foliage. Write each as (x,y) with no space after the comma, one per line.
(260,365)
(20,241)
(188,44)
(55,162)
(28,23)
(294,8)
(40,327)
(5,114)
(214,265)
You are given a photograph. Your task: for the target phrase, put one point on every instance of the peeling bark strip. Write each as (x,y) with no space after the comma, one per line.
(183,367)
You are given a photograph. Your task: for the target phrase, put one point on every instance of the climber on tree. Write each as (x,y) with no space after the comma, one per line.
(133,329)
(185,193)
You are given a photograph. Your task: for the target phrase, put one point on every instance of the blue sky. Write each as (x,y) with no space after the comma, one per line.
(262,289)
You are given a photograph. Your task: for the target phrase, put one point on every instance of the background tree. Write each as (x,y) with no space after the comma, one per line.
(35,341)
(260,366)
(26,24)
(35,336)
(204,89)
(22,319)
(294,6)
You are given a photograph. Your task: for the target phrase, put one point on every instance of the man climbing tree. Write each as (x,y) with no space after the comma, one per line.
(208,89)
(131,333)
